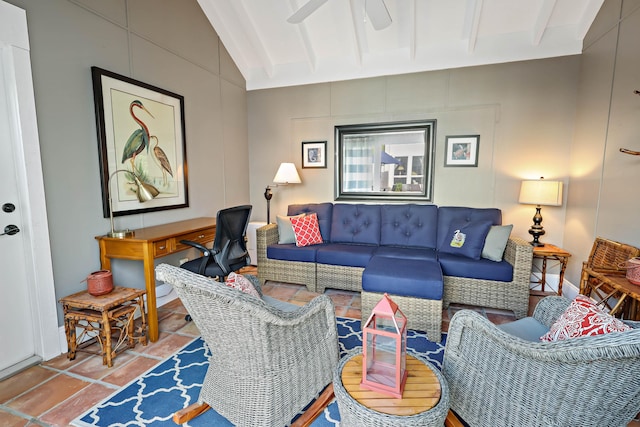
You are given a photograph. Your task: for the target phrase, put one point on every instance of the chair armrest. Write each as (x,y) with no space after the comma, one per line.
(265,236)
(549,309)
(519,253)
(205,251)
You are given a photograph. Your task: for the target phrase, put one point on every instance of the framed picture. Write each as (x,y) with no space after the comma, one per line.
(461,150)
(141,132)
(314,154)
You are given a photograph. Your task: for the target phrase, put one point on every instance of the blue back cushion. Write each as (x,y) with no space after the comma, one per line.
(355,224)
(409,225)
(453,214)
(324,211)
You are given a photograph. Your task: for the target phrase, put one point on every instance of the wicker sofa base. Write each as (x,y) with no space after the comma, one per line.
(338,277)
(300,273)
(422,314)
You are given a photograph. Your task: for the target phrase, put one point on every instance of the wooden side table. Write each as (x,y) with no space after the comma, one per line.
(425,400)
(553,253)
(103,318)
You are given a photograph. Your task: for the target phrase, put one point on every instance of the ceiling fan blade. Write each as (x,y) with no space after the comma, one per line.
(378,14)
(306,10)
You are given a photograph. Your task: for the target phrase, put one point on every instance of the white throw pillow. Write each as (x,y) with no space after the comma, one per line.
(285,229)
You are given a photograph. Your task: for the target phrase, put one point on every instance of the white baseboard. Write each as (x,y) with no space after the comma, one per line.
(165,299)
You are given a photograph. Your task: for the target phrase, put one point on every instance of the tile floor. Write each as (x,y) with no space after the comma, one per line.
(57,391)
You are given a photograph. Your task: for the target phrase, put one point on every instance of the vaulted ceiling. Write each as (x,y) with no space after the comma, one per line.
(337,41)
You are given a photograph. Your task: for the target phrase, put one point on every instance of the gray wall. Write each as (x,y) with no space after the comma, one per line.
(523,111)
(167,43)
(603,200)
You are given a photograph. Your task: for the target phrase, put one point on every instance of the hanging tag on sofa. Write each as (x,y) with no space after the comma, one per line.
(458,239)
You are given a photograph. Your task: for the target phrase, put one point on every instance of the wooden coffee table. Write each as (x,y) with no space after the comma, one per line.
(425,399)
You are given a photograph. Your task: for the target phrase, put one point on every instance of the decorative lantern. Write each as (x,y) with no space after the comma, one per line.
(384,362)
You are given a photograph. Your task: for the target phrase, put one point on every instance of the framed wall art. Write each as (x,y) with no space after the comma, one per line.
(461,150)
(141,131)
(314,154)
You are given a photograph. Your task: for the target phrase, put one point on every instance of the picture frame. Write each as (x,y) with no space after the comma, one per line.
(314,154)
(141,129)
(390,161)
(461,151)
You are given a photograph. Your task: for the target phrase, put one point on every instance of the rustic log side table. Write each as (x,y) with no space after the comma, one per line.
(547,253)
(106,319)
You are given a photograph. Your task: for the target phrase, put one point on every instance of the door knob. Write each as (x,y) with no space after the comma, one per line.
(10,230)
(8,207)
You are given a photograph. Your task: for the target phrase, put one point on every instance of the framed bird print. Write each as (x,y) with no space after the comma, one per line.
(141,134)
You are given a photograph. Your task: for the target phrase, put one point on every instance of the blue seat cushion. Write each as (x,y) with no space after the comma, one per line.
(324,212)
(404,277)
(407,253)
(345,255)
(409,225)
(527,328)
(483,269)
(356,223)
(291,252)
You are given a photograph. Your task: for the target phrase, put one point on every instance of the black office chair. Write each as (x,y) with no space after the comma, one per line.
(229,252)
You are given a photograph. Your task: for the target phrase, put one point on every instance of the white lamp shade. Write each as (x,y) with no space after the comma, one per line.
(287,174)
(541,192)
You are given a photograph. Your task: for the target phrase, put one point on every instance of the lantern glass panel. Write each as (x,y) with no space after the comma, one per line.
(381,360)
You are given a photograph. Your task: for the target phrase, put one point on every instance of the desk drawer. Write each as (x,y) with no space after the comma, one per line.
(202,237)
(161,248)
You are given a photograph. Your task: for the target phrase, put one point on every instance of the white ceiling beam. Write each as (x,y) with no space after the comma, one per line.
(249,27)
(411,5)
(472,23)
(542,21)
(358,16)
(589,13)
(303,32)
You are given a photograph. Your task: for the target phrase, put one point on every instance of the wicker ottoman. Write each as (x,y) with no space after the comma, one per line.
(416,285)
(421,373)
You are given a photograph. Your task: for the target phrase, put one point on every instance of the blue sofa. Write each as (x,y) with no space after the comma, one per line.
(405,239)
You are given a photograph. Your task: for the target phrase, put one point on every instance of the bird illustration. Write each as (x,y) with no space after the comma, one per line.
(162,160)
(139,139)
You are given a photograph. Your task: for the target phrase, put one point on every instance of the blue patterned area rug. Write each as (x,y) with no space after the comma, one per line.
(151,399)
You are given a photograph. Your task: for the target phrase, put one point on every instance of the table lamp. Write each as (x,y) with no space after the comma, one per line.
(286,174)
(540,192)
(144,191)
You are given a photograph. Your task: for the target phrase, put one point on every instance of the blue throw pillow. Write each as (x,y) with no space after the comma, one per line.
(466,238)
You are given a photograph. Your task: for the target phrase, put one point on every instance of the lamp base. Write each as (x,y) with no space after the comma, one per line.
(121,234)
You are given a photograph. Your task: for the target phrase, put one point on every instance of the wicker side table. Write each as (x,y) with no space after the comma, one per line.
(106,319)
(426,391)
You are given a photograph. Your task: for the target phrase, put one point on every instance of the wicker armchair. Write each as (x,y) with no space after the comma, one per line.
(498,379)
(266,364)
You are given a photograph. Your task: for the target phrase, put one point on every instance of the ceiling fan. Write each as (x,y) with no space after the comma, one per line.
(376,11)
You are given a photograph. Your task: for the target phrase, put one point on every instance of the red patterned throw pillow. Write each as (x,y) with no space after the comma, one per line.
(241,283)
(306,230)
(583,318)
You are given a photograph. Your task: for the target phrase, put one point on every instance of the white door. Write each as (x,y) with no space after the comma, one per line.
(14,292)
(28,319)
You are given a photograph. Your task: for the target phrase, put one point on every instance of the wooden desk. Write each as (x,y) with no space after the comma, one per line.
(154,242)
(554,253)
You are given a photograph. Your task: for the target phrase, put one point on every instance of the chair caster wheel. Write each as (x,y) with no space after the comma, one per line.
(188,318)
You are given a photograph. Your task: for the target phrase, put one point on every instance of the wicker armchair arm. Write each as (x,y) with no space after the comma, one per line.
(469,332)
(265,236)
(519,253)
(549,309)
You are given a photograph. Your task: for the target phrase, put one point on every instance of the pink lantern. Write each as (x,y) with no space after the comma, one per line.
(384,338)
